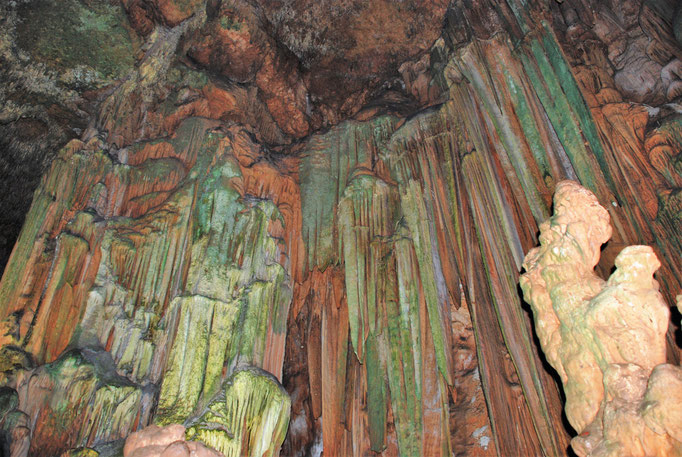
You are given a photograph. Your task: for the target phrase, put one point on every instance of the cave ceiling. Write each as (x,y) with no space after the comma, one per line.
(288,68)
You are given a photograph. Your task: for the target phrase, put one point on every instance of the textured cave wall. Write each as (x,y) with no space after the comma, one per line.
(336,195)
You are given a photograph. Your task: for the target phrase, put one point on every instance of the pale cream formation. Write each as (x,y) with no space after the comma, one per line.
(169,441)
(606,339)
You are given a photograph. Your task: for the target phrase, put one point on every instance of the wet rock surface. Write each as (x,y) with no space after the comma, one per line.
(337,193)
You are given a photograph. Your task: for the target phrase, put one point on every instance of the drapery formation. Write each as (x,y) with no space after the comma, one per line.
(201,233)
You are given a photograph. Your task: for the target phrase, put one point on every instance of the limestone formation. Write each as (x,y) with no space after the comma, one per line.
(169,441)
(249,417)
(606,339)
(334,197)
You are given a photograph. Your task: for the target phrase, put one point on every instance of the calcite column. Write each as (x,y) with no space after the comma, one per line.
(606,339)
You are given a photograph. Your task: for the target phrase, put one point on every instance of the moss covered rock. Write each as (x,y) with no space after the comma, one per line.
(248,418)
(89,43)
(80,452)
(12,361)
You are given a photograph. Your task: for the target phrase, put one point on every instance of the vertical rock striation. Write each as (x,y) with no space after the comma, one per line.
(337,197)
(249,419)
(156,263)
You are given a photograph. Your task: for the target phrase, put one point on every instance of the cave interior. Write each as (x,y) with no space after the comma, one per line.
(340,228)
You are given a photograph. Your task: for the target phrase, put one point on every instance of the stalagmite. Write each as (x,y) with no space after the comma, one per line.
(606,339)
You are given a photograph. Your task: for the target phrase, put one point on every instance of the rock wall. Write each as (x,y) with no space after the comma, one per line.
(342,212)
(160,285)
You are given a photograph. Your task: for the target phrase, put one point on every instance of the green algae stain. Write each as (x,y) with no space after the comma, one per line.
(530,130)
(366,215)
(181,75)
(404,360)
(73,34)
(204,333)
(228,23)
(218,204)
(81,452)
(236,292)
(327,166)
(565,106)
(187,6)
(249,417)
(418,220)
(377,408)
(89,401)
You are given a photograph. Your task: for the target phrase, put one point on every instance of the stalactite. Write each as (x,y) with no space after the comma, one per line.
(162,293)
(343,205)
(249,418)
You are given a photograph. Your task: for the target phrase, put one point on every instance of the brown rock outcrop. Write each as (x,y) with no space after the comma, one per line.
(349,50)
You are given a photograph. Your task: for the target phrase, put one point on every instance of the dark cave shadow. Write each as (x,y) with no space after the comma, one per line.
(548,369)
(676,322)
